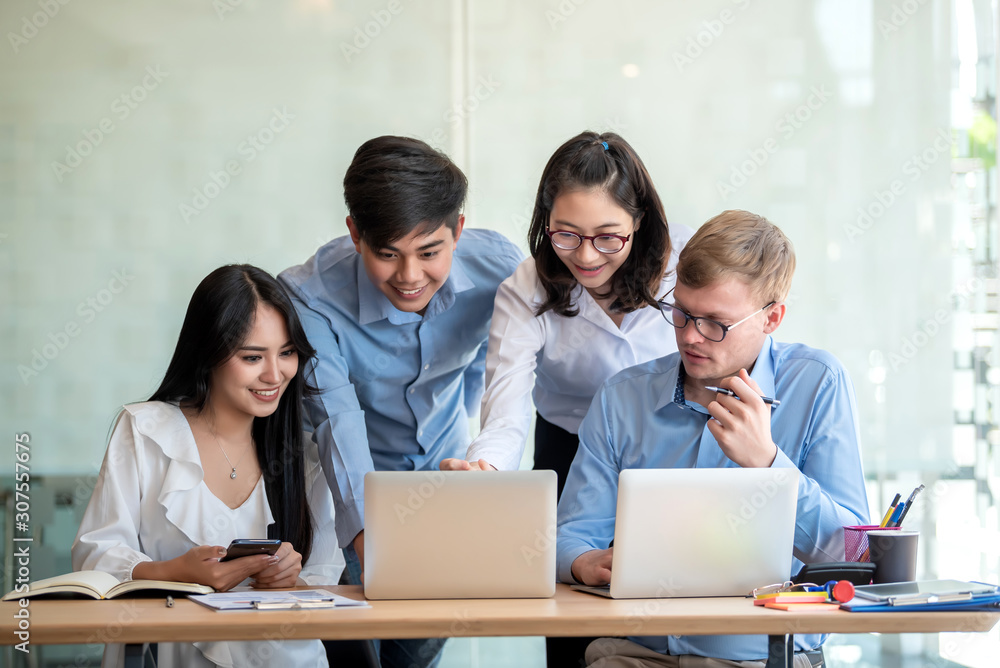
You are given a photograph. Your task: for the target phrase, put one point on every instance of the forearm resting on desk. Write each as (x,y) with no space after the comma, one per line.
(201,565)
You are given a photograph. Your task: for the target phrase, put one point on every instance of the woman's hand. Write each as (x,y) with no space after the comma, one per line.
(201,565)
(284,572)
(452,464)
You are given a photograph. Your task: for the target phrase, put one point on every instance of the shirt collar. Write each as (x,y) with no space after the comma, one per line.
(373,305)
(763,370)
(589,309)
(181,495)
(458,281)
(673,388)
(762,374)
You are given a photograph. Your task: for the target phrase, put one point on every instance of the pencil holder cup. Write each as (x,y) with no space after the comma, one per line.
(894,554)
(856,541)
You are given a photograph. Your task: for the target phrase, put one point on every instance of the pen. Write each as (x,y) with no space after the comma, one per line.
(722,390)
(170,601)
(888,513)
(909,502)
(896,514)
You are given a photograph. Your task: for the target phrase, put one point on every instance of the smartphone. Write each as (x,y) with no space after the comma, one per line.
(247,547)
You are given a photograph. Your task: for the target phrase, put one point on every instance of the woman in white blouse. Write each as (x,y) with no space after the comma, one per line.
(218,453)
(581,308)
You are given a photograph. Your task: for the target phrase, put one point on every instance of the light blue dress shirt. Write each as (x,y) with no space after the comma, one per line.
(640,419)
(396,388)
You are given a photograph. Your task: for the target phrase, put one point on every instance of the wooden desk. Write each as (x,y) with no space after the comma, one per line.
(568,613)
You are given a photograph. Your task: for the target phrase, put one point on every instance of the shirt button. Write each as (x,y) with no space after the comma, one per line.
(420,433)
(412,390)
(426,367)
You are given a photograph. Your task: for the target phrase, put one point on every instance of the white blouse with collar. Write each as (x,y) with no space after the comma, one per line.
(557,361)
(151,503)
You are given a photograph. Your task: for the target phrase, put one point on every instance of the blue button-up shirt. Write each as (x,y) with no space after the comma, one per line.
(640,419)
(396,388)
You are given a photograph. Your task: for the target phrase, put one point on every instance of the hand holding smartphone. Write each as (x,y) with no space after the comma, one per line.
(247,547)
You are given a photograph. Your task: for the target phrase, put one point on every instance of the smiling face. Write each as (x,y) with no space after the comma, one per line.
(252,381)
(727,301)
(410,270)
(591,213)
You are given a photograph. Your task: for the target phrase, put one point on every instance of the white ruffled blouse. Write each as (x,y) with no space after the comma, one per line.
(151,503)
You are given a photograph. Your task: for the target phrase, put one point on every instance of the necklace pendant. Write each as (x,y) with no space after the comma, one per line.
(233,474)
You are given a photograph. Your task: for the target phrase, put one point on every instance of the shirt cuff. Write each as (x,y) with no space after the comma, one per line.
(781,461)
(564,572)
(126,575)
(350,522)
(500,445)
(502,460)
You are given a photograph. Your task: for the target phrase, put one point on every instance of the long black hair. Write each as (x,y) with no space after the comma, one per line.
(219,318)
(607,163)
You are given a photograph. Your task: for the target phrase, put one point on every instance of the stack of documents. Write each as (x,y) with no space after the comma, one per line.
(925,595)
(301,599)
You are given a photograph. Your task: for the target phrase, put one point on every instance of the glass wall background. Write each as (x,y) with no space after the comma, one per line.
(143,144)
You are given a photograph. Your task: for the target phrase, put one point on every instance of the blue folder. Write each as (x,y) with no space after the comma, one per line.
(985,600)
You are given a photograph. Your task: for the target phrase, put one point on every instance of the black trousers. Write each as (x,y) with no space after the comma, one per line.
(554,449)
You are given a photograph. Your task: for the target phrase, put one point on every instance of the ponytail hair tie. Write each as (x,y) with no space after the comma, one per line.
(605,145)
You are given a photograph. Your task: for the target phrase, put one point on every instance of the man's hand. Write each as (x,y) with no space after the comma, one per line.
(593,568)
(742,426)
(359,549)
(453,464)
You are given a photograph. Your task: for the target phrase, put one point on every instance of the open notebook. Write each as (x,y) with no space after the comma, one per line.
(100,585)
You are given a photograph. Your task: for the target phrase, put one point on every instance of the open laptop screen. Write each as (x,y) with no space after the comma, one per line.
(460,534)
(702,532)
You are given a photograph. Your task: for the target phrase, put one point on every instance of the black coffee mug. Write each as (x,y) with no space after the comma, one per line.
(894,554)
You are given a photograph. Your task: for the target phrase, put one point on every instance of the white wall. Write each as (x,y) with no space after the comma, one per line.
(500,85)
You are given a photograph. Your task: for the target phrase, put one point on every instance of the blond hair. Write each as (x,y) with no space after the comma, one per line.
(743,245)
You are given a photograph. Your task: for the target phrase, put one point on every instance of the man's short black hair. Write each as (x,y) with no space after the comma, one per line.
(396,185)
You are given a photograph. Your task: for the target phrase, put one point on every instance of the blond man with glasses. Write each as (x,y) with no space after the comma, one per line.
(794,408)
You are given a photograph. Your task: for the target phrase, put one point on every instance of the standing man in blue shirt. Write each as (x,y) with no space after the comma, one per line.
(399,315)
(732,279)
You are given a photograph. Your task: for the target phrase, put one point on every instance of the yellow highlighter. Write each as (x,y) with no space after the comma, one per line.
(888,513)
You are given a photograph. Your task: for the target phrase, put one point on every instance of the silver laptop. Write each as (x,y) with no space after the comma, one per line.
(701,532)
(460,534)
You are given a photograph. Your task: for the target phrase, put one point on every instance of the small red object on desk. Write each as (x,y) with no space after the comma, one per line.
(842,592)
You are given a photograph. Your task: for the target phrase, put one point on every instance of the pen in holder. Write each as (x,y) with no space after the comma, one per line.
(856,541)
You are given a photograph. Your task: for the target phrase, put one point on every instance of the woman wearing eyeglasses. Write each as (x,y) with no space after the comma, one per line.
(581,308)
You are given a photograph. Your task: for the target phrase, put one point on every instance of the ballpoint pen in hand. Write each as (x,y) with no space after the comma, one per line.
(722,390)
